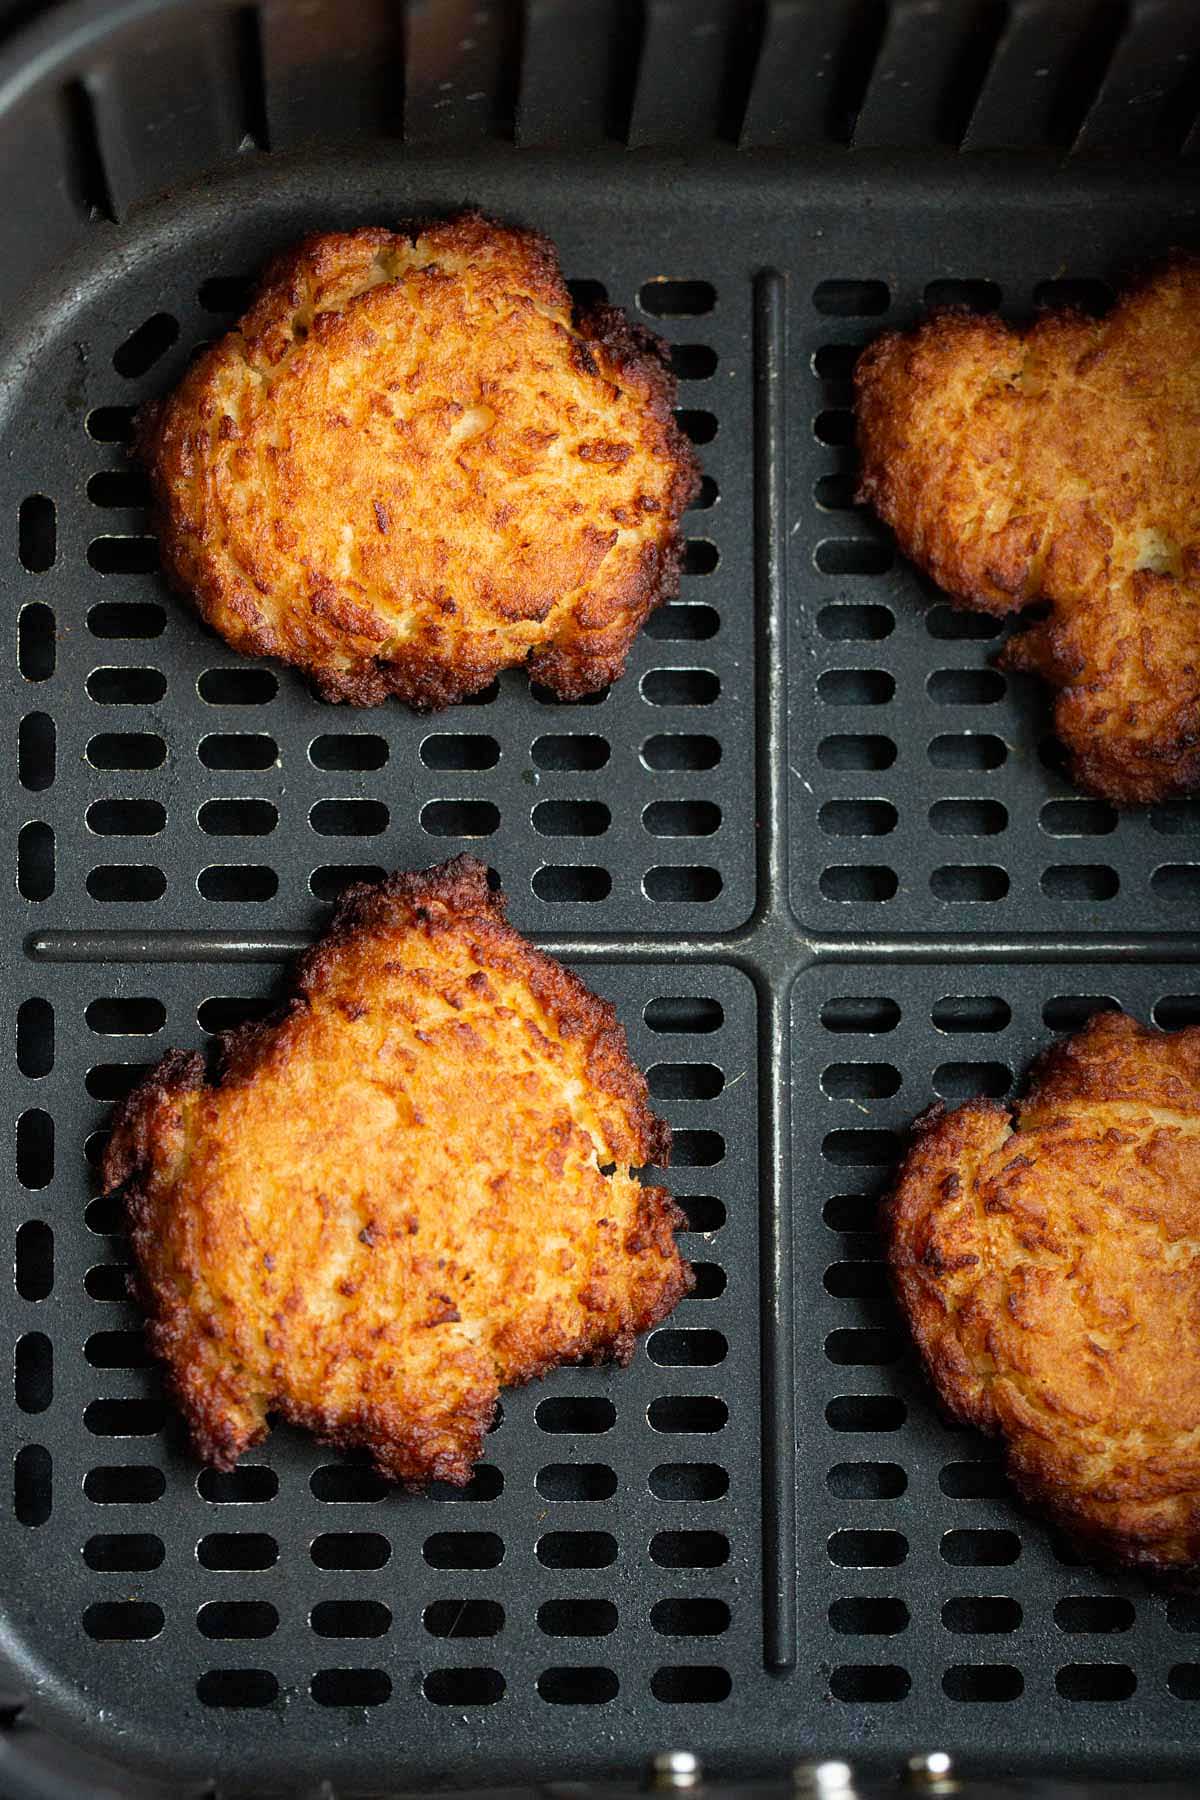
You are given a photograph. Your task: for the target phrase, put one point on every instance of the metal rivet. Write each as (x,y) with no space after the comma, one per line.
(675,1769)
(932,1771)
(824,1778)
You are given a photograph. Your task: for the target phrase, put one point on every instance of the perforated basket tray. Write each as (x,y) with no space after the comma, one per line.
(817,851)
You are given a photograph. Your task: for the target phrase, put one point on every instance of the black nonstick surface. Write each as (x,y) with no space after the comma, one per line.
(821,858)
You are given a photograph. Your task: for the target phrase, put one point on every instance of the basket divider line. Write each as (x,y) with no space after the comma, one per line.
(781,948)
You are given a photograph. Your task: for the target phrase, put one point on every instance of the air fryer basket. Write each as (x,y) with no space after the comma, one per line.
(818,852)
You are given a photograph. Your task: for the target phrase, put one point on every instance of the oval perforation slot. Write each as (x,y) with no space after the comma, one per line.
(463,1550)
(577,1549)
(982,1479)
(237,687)
(866,1480)
(1106,1613)
(237,1619)
(123,488)
(126,750)
(668,298)
(861,1280)
(123,1621)
(225,882)
(870,1684)
(689,1549)
(584,1414)
(983,1682)
(349,818)
(564,818)
(35,1038)
(33,1485)
(237,818)
(35,1149)
(950,624)
(1175,882)
(682,883)
(687,1414)
(980,1549)
(467,1618)
(36,534)
(861,1346)
(860,1081)
(33,1269)
(981,1615)
(587,1684)
(685,622)
(691,1684)
(680,687)
(967,750)
(237,1550)
(690,1482)
(463,1687)
(557,752)
(246,750)
(955,1013)
(33,1372)
(677,751)
(866,1412)
(144,347)
(576,1481)
(131,619)
(35,861)
(248,1484)
(1071,1012)
(862,1615)
(124,1552)
(486,1483)
(125,1418)
(331,880)
(111,424)
(37,743)
(459,818)
(126,686)
(577,1618)
(350,1687)
(131,554)
(126,883)
(108,1283)
(126,818)
(571,883)
(124,1484)
(867,1549)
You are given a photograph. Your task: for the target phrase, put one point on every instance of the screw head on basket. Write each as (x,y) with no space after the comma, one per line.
(675,1769)
(932,1771)
(824,1779)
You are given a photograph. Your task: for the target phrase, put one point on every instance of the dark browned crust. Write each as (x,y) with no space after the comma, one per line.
(585,652)
(970,1228)
(439,900)
(1135,739)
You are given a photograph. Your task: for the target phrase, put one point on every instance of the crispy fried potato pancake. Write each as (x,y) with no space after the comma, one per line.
(1050,1269)
(392,1201)
(409,467)
(1059,464)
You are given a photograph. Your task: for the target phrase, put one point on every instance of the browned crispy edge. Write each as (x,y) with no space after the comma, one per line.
(1167,769)
(640,357)
(937,1137)
(460,885)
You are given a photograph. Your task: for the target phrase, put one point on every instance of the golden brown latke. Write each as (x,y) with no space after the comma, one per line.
(408,468)
(1051,1274)
(391,1203)
(1060,464)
